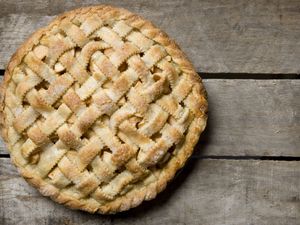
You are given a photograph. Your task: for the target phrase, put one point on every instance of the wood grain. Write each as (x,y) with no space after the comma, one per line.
(206,192)
(229,36)
(250,118)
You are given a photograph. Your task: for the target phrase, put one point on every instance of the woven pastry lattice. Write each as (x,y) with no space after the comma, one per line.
(101,108)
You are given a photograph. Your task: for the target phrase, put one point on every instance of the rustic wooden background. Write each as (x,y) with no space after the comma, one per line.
(246,167)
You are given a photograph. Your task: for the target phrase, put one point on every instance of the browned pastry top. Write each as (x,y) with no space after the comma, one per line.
(100,109)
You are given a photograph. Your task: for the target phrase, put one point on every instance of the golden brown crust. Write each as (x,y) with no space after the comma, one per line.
(2,94)
(148,190)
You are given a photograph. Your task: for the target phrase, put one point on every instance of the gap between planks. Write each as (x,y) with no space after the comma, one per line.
(260,158)
(256,76)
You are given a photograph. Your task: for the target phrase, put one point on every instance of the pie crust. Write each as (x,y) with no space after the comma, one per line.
(100,109)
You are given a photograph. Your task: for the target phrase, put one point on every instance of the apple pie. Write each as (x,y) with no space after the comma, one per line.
(100,109)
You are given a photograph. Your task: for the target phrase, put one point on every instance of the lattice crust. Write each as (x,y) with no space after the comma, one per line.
(100,109)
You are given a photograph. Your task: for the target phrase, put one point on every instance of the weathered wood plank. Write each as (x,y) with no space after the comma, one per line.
(251,117)
(227,36)
(206,192)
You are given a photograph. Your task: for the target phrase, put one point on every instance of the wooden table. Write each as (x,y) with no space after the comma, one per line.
(246,167)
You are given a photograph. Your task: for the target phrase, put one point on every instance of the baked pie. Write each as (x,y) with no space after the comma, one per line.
(100,109)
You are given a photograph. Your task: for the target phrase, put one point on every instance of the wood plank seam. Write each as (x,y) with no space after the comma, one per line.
(234,76)
(259,158)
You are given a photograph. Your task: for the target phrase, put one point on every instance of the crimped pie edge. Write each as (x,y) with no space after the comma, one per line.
(136,196)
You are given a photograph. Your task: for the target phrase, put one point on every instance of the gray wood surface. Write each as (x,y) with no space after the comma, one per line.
(230,36)
(246,117)
(250,117)
(206,192)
